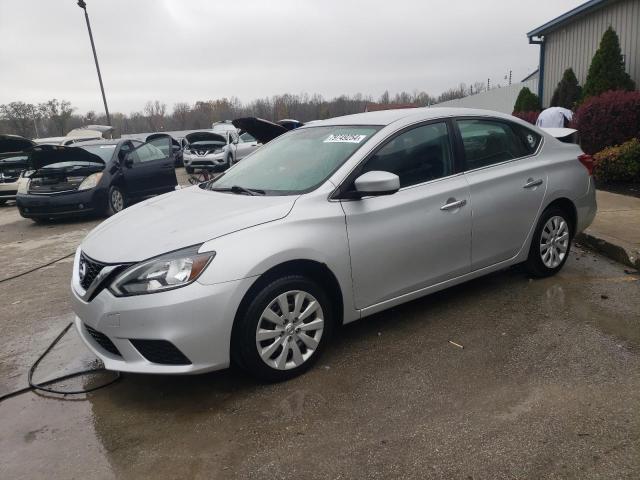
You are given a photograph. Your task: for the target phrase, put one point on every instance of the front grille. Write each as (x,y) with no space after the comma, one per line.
(160,351)
(91,270)
(102,340)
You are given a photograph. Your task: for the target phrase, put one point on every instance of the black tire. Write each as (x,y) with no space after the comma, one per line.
(244,349)
(535,264)
(113,205)
(189,169)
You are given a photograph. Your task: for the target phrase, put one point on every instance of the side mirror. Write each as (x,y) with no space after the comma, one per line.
(377,183)
(128,161)
(175,148)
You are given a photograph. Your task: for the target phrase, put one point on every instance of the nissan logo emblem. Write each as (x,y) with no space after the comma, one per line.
(82,270)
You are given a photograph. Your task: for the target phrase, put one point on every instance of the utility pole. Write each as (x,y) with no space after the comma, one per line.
(83,6)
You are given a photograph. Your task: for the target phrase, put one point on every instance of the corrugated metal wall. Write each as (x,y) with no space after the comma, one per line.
(574,44)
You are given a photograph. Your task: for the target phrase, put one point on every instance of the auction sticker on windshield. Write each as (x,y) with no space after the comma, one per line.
(344,138)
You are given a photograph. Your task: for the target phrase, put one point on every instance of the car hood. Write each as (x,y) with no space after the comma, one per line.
(262,130)
(14,143)
(179,219)
(204,137)
(43,155)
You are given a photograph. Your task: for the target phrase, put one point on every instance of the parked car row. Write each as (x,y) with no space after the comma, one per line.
(80,174)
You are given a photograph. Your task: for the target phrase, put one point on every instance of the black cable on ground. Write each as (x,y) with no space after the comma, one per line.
(43,385)
(36,268)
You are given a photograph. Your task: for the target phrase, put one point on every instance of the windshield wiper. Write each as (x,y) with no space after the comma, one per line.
(239,189)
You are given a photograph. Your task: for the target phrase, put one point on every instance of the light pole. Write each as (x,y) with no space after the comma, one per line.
(83,6)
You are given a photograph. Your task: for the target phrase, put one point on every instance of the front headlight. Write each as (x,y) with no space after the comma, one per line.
(91,181)
(166,272)
(23,185)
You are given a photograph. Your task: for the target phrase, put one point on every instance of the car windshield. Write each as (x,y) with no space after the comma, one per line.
(296,162)
(105,152)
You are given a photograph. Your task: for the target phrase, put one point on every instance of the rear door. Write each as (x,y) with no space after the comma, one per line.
(150,169)
(507,180)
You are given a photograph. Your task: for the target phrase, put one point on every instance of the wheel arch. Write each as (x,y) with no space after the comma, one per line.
(312,269)
(569,207)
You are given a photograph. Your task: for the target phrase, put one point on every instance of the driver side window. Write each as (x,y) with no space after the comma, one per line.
(416,156)
(147,153)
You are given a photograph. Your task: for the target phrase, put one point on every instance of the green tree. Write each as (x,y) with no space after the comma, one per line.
(568,92)
(606,71)
(527,101)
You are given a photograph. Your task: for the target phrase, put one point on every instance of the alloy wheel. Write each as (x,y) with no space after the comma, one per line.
(117,200)
(289,330)
(554,241)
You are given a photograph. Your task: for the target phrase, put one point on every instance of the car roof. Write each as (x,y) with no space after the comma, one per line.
(387,117)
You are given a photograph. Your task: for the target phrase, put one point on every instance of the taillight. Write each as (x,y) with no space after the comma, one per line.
(587,161)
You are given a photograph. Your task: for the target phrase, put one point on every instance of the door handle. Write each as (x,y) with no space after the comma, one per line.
(452,204)
(532,183)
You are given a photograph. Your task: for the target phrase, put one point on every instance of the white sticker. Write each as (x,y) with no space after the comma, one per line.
(345,138)
(108,146)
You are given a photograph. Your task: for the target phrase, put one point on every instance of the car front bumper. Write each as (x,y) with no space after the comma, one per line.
(207,161)
(196,319)
(8,190)
(61,204)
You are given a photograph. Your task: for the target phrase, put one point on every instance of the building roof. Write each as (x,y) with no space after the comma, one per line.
(532,75)
(570,16)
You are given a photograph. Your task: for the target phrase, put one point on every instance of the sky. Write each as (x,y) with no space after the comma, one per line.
(189,50)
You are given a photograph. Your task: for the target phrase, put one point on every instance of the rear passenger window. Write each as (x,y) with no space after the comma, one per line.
(487,142)
(416,156)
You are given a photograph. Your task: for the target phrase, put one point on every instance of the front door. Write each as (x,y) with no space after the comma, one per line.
(419,236)
(507,181)
(150,170)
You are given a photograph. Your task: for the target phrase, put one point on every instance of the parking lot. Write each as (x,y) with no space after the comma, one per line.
(547,385)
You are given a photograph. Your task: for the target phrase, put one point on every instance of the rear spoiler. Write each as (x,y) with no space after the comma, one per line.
(566,135)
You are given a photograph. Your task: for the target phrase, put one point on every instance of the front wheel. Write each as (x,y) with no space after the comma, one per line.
(189,170)
(550,244)
(115,201)
(283,330)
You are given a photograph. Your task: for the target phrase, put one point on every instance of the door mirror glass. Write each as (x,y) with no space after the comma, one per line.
(377,183)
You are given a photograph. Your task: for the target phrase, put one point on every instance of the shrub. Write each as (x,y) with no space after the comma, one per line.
(530,117)
(608,119)
(527,101)
(606,71)
(618,164)
(568,92)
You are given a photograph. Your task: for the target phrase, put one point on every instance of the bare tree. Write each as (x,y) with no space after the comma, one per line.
(180,114)
(155,111)
(20,117)
(58,113)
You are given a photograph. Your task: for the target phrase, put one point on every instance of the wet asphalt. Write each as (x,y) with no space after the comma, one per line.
(547,385)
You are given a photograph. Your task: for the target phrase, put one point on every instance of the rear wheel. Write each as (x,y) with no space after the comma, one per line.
(115,201)
(283,330)
(551,243)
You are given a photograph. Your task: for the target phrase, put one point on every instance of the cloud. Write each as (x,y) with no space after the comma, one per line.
(189,50)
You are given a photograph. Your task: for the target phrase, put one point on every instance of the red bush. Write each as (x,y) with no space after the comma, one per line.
(608,119)
(530,117)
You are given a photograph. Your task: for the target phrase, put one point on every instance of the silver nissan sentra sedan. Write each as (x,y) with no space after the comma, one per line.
(322,226)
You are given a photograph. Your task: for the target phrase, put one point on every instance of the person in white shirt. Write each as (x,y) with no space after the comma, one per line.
(554,117)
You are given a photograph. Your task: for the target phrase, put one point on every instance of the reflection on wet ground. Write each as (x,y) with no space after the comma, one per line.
(547,385)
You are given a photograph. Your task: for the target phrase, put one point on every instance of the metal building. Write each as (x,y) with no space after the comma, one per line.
(572,39)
